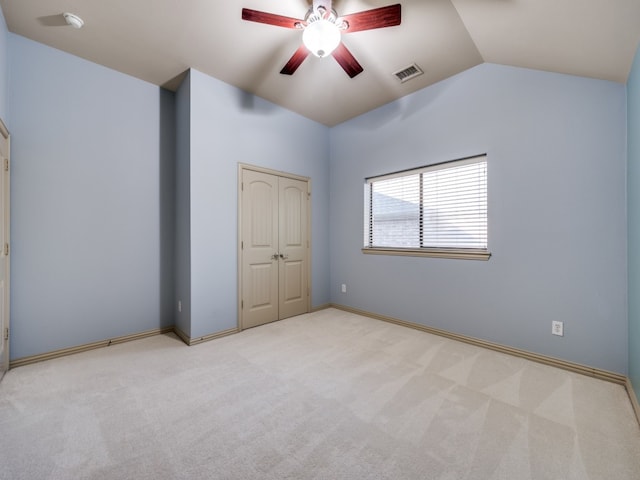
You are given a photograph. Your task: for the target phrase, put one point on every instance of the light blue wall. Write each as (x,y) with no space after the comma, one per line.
(95,204)
(633,195)
(183,207)
(92,201)
(557,211)
(229,127)
(4,36)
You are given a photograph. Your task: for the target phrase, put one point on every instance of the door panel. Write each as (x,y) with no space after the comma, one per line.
(293,247)
(262,285)
(260,245)
(293,281)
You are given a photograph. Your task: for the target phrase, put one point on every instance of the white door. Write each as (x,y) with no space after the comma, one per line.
(293,243)
(259,244)
(4,253)
(274,248)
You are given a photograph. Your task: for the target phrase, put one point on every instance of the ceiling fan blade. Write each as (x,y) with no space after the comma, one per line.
(389,16)
(347,61)
(270,18)
(295,61)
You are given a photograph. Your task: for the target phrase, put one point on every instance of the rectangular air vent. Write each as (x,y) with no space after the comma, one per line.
(408,73)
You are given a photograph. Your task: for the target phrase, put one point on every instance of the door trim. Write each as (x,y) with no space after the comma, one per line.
(241,168)
(6,251)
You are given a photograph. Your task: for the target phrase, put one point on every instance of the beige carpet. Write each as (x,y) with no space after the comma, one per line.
(329,395)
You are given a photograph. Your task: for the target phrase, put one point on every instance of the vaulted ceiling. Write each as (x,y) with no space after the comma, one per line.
(158,40)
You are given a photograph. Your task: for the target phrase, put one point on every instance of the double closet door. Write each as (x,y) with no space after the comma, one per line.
(274,247)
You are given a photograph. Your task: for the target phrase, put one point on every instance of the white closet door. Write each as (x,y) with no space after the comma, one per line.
(274,248)
(293,241)
(260,260)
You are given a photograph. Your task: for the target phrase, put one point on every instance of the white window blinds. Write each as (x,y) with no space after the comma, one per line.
(439,206)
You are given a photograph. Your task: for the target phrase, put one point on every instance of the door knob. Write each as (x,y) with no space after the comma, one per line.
(274,256)
(284,257)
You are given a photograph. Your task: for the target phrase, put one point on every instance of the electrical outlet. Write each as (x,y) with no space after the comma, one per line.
(344,288)
(557,328)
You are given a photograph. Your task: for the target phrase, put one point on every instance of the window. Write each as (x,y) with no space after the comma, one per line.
(439,210)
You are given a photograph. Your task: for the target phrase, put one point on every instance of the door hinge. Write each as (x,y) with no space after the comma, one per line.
(242,304)
(6,249)
(6,164)
(6,333)
(241,245)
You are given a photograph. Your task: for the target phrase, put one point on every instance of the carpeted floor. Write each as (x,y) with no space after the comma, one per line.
(328,395)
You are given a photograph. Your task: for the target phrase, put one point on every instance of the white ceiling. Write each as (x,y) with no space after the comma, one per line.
(158,40)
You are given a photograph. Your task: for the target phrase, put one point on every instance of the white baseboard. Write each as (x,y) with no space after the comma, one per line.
(205,338)
(19,362)
(324,306)
(633,398)
(127,338)
(555,362)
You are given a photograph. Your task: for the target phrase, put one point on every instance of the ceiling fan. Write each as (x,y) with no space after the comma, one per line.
(322,29)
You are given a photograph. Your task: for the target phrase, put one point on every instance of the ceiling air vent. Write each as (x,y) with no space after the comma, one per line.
(408,73)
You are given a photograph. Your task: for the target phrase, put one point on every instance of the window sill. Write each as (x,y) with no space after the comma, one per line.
(459,254)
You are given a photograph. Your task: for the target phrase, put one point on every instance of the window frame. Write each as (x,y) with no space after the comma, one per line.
(434,252)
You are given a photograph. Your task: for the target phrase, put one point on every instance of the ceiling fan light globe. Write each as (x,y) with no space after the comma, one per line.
(321,37)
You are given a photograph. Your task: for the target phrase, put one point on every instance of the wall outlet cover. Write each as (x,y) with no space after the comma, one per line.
(557,328)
